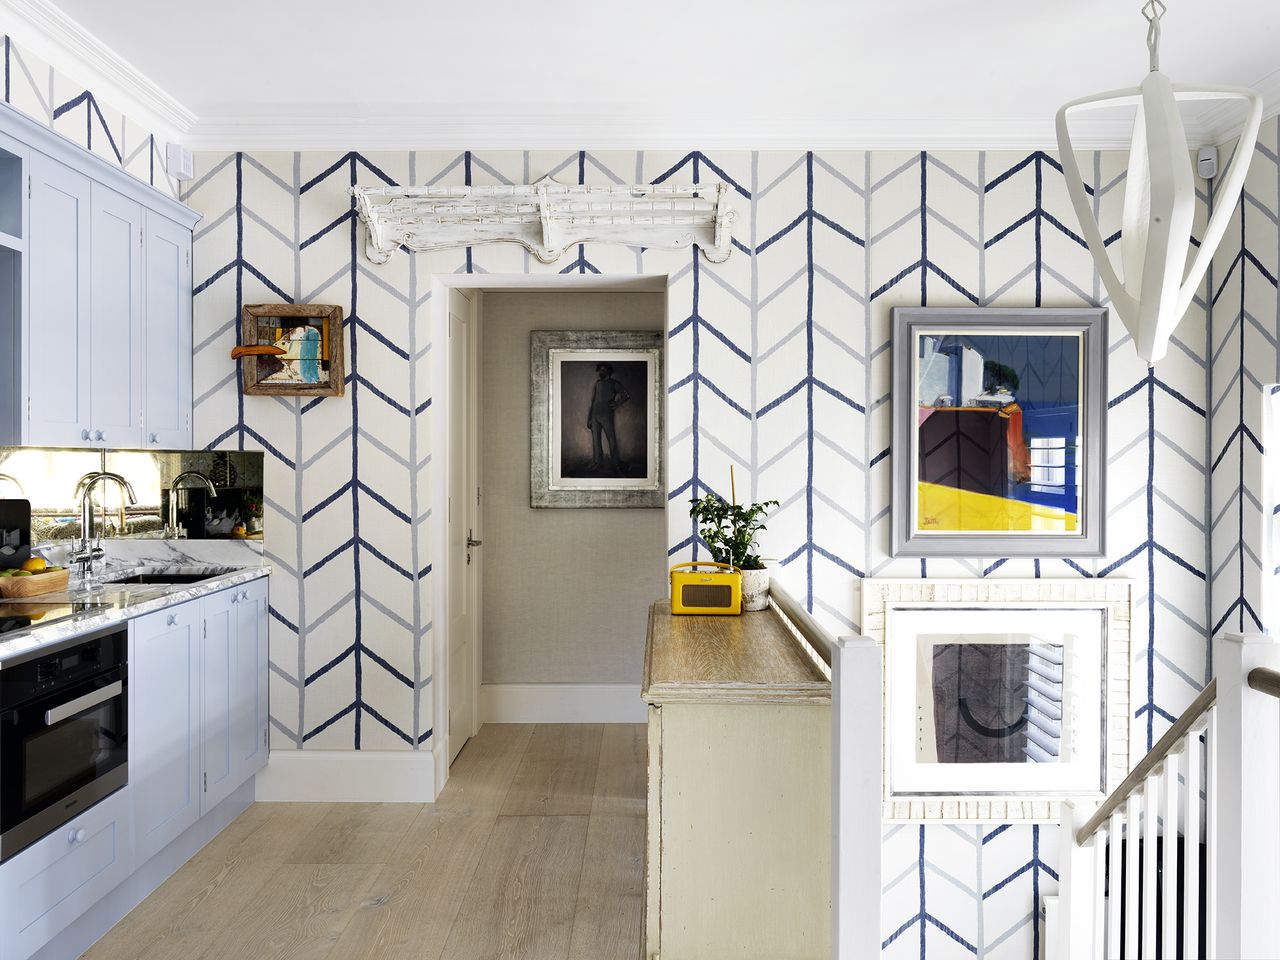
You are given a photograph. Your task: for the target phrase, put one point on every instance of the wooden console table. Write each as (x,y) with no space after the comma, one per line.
(739,828)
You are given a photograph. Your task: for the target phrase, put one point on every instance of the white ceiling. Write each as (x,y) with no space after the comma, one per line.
(761,73)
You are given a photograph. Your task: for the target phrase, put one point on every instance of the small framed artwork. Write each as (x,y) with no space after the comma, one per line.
(998,432)
(1002,697)
(292,350)
(596,401)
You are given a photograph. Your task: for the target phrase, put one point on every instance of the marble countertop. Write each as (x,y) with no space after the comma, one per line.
(120,602)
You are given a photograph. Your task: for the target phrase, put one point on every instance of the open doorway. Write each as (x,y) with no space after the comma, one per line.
(544,608)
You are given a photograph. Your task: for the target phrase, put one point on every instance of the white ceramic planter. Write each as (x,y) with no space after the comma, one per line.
(755,589)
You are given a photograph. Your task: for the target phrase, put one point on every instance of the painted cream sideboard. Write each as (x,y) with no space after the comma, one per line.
(738,861)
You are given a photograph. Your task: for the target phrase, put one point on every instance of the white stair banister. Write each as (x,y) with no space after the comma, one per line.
(1079,894)
(1245,826)
(856,716)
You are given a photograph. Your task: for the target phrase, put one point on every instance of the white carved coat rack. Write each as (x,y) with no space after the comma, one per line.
(546,218)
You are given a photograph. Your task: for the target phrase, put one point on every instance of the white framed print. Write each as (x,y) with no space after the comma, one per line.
(1001,698)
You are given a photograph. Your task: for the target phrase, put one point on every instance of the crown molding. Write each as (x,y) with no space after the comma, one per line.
(453,130)
(42,28)
(1223,120)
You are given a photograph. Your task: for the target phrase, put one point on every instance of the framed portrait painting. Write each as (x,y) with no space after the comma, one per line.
(998,432)
(292,349)
(596,399)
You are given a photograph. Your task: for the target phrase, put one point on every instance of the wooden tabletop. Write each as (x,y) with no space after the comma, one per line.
(751,658)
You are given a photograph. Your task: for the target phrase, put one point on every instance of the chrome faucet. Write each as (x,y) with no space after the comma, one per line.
(173,496)
(15,481)
(89,551)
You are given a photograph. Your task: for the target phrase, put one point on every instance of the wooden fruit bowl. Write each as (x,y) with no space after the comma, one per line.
(34,585)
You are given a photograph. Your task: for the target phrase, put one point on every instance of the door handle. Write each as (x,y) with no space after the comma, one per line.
(80,704)
(472,542)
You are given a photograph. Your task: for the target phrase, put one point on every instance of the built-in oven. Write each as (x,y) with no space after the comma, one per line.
(63,734)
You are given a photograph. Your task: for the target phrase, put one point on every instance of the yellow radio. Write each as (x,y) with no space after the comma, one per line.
(706,591)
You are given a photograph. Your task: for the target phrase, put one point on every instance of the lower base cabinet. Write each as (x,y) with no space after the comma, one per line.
(198,709)
(50,884)
(197,732)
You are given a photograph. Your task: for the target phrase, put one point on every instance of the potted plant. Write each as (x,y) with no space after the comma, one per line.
(729,531)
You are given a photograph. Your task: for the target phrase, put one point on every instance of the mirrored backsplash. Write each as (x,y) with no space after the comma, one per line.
(49,478)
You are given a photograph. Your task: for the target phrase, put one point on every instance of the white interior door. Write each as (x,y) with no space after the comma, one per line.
(463,532)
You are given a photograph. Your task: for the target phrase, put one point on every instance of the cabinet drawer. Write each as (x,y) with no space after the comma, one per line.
(48,885)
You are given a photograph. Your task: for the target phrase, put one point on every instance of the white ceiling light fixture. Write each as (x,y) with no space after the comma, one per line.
(1159,202)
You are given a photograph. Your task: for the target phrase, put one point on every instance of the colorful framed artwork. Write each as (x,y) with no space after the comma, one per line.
(1003,698)
(596,399)
(292,349)
(999,432)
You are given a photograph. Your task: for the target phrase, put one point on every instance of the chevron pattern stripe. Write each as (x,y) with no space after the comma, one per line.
(1246,364)
(779,364)
(56,100)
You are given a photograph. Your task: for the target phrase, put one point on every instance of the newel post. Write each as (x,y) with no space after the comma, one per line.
(1244,799)
(856,797)
(1070,917)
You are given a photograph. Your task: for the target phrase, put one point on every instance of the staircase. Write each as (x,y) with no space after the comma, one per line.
(1182,860)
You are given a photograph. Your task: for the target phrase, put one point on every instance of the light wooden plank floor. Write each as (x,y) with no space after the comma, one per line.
(534,851)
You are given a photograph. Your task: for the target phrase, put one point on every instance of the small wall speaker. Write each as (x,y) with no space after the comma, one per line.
(179,162)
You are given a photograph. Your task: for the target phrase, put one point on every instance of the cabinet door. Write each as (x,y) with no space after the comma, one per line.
(51,884)
(167,322)
(164,725)
(217,681)
(249,716)
(115,306)
(58,385)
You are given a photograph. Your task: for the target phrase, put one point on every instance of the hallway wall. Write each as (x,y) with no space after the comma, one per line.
(778,363)
(1244,511)
(566,592)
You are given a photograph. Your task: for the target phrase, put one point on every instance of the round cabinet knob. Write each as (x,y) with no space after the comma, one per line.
(99,435)
(155,438)
(77,835)
(244,595)
(235,598)
(84,434)
(173,619)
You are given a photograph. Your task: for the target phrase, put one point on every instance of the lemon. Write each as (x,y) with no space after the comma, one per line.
(35,565)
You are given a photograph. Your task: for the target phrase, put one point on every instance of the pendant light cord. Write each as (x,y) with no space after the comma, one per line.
(1153,10)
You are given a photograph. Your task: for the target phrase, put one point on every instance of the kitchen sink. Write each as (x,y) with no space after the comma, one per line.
(167,579)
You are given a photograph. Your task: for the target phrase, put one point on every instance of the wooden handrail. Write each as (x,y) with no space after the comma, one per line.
(817,638)
(1265,681)
(1199,706)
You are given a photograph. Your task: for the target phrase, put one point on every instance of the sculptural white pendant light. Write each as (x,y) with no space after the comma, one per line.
(1160,275)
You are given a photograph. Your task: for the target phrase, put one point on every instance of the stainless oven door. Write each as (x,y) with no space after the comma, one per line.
(59,754)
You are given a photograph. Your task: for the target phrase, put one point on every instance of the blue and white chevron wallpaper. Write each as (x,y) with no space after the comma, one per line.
(66,105)
(1244,506)
(779,365)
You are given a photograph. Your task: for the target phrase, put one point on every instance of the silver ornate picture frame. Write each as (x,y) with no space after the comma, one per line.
(596,419)
(1002,698)
(999,432)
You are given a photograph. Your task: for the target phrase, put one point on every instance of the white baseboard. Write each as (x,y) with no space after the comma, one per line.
(348,776)
(561,703)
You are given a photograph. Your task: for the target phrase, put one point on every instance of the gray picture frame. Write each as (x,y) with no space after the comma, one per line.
(1089,323)
(545,489)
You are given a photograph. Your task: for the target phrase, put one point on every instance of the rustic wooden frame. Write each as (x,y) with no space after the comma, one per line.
(332,316)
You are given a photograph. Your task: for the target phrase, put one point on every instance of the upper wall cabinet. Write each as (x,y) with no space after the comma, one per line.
(95,299)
